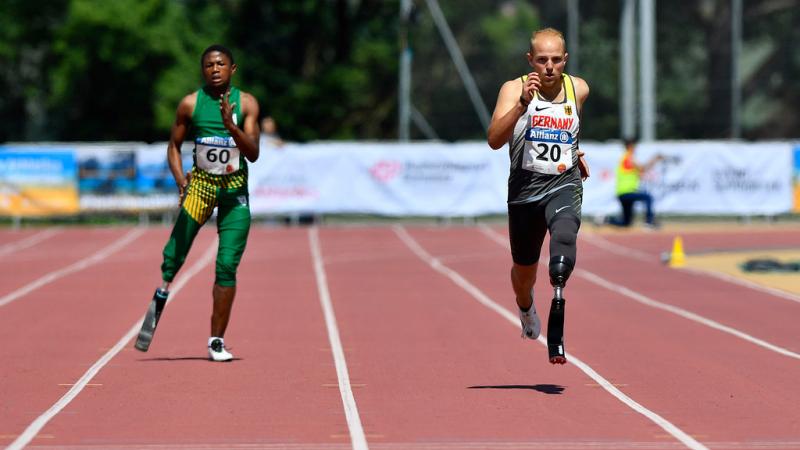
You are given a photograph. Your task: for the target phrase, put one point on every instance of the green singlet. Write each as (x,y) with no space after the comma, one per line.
(219,179)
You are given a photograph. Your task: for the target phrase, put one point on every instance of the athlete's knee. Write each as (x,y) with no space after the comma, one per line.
(565,230)
(560,270)
(226,273)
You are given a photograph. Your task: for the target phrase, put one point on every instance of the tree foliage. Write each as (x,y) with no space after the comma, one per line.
(328,69)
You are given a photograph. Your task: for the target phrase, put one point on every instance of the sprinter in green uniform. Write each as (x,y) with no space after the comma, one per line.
(222,122)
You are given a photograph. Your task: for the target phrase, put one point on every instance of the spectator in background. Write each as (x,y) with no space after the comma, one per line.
(629,174)
(269,133)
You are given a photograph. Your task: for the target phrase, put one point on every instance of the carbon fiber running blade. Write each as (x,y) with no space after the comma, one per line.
(148,328)
(151,321)
(555,332)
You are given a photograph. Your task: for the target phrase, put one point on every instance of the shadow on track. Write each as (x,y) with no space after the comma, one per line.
(182,358)
(550,389)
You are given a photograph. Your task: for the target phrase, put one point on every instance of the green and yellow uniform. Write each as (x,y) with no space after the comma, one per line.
(219,179)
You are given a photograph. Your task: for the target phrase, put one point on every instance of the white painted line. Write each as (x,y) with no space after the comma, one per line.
(482,298)
(641,256)
(96,257)
(357,437)
(37,425)
(30,241)
(621,250)
(645,300)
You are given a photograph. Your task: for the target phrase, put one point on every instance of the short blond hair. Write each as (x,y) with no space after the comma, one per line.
(551,32)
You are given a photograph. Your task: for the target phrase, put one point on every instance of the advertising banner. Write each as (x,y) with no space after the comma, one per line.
(796,178)
(386,179)
(38,181)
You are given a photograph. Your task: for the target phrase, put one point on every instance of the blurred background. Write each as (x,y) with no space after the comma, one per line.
(101,80)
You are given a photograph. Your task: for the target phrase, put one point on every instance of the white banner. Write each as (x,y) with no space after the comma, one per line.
(430,179)
(466,179)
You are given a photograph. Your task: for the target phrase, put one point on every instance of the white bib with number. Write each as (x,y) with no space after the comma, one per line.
(551,132)
(217,155)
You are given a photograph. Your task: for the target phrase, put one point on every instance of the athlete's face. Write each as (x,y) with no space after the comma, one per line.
(217,69)
(548,58)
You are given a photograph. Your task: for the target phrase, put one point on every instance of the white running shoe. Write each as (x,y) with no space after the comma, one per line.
(531,325)
(217,350)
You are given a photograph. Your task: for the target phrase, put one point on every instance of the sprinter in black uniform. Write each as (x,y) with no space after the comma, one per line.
(538,115)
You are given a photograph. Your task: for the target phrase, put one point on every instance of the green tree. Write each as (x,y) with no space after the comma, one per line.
(123,65)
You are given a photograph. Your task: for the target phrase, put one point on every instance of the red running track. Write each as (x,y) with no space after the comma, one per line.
(431,353)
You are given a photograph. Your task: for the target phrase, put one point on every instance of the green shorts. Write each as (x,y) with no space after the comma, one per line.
(233,226)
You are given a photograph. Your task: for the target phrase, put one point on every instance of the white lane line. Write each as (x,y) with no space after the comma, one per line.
(96,257)
(609,246)
(641,256)
(37,425)
(30,241)
(485,300)
(645,300)
(357,437)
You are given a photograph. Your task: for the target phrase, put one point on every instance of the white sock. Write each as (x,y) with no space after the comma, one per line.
(211,339)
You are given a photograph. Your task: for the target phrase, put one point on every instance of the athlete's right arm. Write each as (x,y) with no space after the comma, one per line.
(512,102)
(183,119)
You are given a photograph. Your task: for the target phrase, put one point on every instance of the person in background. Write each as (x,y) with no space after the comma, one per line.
(628,189)
(269,133)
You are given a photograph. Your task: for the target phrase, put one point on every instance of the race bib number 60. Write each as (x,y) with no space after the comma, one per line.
(547,151)
(217,159)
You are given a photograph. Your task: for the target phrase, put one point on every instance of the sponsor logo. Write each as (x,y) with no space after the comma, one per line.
(385,171)
(558,210)
(216,141)
(545,135)
(542,108)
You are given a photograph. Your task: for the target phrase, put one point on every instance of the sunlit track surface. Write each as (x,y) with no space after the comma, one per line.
(428,366)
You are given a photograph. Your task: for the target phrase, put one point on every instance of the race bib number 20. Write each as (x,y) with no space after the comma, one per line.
(217,156)
(547,151)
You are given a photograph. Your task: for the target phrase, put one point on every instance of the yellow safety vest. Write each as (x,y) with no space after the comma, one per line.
(627,175)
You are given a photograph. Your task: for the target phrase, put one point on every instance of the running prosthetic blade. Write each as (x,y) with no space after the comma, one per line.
(151,320)
(555,332)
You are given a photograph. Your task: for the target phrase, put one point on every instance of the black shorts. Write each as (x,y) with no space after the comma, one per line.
(528,222)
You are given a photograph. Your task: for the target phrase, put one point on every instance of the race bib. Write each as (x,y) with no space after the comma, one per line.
(217,155)
(547,151)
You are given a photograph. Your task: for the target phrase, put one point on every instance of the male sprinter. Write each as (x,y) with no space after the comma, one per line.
(222,121)
(538,115)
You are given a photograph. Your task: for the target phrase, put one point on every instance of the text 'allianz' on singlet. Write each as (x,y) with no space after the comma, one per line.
(543,147)
(217,160)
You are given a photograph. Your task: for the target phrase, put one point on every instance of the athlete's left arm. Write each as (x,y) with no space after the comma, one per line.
(247,138)
(582,93)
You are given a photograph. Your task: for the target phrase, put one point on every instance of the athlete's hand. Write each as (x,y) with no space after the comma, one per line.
(583,166)
(226,110)
(532,84)
(182,187)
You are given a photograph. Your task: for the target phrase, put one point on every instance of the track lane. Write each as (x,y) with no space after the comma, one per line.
(280,390)
(60,329)
(704,381)
(70,247)
(437,367)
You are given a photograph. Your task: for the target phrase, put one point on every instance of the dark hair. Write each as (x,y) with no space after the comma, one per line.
(629,142)
(216,48)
